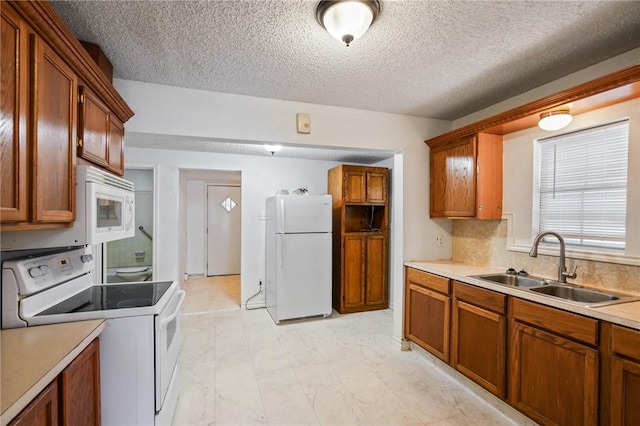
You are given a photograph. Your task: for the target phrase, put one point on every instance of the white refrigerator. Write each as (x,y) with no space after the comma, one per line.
(298,256)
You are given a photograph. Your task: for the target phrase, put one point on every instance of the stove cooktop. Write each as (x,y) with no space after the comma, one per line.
(115,296)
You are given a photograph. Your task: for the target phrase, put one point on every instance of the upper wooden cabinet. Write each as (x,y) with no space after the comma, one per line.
(93,127)
(362,184)
(41,64)
(115,147)
(14,69)
(53,121)
(38,141)
(100,133)
(466,178)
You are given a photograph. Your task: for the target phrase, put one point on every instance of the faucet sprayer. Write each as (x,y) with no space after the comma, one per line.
(562,270)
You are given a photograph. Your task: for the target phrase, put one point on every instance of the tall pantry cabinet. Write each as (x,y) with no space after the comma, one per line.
(360,237)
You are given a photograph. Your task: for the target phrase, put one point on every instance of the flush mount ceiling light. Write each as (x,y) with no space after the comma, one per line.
(555,120)
(272,148)
(347,20)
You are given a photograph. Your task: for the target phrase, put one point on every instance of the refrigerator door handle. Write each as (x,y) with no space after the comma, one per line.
(282,215)
(281,252)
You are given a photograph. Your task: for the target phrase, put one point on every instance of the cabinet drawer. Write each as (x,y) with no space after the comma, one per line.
(477,296)
(570,325)
(425,279)
(625,341)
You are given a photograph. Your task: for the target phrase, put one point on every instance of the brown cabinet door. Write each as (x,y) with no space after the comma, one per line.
(625,392)
(453,179)
(428,319)
(376,187)
(353,271)
(54,134)
(478,345)
(93,127)
(116,146)
(553,380)
(355,183)
(80,388)
(14,101)
(489,178)
(42,411)
(376,270)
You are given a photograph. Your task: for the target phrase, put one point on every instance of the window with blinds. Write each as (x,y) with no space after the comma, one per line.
(583,185)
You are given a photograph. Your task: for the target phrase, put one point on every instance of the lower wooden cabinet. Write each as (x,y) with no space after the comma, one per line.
(42,411)
(625,377)
(363,282)
(479,336)
(427,311)
(72,399)
(553,368)
(80,389)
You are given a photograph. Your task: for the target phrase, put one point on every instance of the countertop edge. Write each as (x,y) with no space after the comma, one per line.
(431,266)
(13,410)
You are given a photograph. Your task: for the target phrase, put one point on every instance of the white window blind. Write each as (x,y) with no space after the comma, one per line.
(583,185)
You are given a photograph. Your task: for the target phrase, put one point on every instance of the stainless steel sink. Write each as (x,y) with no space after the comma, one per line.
(513,280)
(578,295)
(574,294)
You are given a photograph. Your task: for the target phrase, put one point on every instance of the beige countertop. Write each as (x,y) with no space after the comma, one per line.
(626,314)
(33,356)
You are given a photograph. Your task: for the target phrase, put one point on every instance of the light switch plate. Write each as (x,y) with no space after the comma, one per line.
(303,122)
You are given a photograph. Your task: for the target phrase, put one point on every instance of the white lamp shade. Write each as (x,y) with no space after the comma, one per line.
(554,120)
(347,18)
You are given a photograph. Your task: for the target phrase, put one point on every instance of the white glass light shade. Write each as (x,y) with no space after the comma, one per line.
(347,20)
(272,148)
(555,120)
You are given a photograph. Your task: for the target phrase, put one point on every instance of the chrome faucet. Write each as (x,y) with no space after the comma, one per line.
(562,270)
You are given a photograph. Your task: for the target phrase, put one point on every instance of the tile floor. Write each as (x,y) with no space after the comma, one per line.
(206,294)
(239,368)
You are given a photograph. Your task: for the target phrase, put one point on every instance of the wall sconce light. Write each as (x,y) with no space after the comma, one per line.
(347,20)
(555,120)
(272,148)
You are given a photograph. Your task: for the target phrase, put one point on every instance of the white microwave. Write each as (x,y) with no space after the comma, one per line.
(105,206)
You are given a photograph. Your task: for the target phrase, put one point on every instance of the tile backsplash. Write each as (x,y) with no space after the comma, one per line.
(484,242)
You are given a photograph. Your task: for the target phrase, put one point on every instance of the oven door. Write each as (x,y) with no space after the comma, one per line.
(169,339)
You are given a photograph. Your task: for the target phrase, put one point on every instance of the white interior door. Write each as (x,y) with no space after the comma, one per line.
(223,230)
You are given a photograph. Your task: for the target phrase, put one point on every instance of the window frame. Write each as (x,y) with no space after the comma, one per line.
(519,172)
(537,186)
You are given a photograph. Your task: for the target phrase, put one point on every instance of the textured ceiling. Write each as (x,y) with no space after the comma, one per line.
(436,59)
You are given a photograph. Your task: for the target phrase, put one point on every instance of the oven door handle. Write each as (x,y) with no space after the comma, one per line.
(175,313)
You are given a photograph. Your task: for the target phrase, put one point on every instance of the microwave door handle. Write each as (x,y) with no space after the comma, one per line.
(129,223)
(175,313)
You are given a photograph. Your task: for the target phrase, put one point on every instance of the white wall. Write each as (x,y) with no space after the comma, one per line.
(177,111)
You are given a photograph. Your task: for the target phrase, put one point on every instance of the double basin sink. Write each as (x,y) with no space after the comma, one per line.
(571,293)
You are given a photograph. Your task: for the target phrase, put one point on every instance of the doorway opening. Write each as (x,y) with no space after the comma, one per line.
(211,204)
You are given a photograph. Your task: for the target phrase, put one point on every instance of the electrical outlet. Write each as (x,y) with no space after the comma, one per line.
(440,241)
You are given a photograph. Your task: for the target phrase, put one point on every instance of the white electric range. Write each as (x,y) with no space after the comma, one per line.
(140,345)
